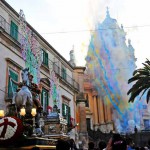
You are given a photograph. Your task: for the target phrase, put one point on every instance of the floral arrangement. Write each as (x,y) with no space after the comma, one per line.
(11,128)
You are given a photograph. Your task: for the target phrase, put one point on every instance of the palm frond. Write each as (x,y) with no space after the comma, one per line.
(141,79)
(148,96)
(136,92)
(134,78)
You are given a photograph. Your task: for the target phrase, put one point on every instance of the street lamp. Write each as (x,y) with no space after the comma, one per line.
(2,113)
(33,113)
(22,111)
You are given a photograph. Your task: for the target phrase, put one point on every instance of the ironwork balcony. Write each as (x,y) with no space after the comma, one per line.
(65,77)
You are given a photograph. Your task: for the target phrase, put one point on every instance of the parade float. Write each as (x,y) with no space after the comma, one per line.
(24,125)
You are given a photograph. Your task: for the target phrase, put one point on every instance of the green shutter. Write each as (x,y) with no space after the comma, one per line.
(46,59)
(42,96)
(69,116)
(12,87)
(46,98)
(63,110)
(43,55)
(64,75)
(14,30)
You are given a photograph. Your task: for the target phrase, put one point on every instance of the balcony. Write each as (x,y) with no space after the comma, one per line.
(6,27)
(66,78)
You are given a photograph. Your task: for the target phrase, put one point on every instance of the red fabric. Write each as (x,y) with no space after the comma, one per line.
(18,133)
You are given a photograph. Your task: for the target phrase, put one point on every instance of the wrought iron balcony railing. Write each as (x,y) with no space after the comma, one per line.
(66,77)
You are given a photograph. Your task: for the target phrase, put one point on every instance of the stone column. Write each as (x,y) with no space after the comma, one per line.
(109,116)
(83,135)
(109,113)
(95,111)
(101,110)
(105,112)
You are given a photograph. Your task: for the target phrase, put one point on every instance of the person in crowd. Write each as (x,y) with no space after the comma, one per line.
(116,143)
(130,144)
(102,145)
(62,145)
(91,146)
(73,144)
(142,148)
(148,144)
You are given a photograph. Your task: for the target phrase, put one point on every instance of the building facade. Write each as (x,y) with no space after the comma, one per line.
(21,46)
(110,62)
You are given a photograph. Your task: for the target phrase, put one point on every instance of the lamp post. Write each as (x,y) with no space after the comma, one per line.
(22,111)
(33,113)
(2,113)
(22,114)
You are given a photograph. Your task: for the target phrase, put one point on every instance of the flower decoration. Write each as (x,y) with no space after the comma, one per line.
(11,129)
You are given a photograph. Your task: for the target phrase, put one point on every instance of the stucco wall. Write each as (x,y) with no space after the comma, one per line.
(6,53)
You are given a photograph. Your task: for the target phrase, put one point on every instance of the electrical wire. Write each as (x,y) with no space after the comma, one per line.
(92,30)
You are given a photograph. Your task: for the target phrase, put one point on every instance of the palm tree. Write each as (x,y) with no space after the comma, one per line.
(141,79)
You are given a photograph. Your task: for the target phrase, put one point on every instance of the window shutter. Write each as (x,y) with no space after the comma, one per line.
(47,98)
(63,109)
(44,99)
(14,30)
(63,71)
(65,75)
(42,96)
(69,116)
(11,85)
(43,53)
(11,29)
(46,59)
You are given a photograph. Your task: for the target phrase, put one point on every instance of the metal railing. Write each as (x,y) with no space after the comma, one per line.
(67,78)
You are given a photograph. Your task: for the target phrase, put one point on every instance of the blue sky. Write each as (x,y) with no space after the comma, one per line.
(63,22)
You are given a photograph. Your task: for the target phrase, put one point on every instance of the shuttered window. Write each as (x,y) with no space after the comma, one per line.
(64,74)
(14,30)
(45,58)
(66,113)
(12,87)
(44,99)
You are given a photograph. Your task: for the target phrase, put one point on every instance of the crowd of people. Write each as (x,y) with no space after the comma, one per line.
(116,142)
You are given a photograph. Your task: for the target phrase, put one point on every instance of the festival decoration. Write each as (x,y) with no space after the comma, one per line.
(30,48)
(55,91)
(11,129)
